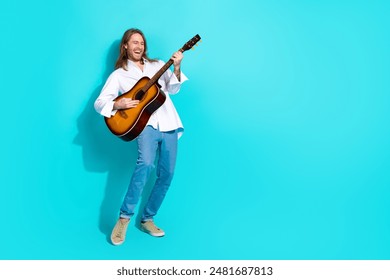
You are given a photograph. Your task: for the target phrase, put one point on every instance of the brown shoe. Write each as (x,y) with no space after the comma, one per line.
(118,234)
(150,227)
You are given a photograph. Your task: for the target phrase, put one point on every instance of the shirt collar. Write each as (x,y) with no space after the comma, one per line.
(131,62)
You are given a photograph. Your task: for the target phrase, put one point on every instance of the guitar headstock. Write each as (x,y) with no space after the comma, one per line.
(190,43)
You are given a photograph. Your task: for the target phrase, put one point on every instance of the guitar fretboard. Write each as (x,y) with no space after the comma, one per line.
(157,76)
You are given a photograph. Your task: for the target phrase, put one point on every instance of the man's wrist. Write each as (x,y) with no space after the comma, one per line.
(177,71)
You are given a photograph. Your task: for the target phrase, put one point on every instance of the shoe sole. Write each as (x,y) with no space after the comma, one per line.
(117,243)
(151,233)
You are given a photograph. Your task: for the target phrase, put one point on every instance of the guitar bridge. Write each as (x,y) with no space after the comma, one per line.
(123,114)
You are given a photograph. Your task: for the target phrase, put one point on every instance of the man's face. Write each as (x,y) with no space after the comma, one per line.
(135,47)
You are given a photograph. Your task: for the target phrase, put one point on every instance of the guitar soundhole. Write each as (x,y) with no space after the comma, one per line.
(139,95)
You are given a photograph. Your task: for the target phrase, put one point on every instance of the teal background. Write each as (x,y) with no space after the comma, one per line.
(286,149)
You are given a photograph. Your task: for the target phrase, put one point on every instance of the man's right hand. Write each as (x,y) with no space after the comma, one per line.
(125,103)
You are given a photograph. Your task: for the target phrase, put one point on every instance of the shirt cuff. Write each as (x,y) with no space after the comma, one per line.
(175,81)
(108,110)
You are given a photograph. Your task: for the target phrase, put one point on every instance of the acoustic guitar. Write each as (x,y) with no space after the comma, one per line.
(129,123)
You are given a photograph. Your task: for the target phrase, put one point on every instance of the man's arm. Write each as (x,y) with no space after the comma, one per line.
(177,57)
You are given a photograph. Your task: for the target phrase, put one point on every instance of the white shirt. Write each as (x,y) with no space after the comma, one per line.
(120,81)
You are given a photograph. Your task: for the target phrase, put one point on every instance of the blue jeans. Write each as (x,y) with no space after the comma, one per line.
(151,142)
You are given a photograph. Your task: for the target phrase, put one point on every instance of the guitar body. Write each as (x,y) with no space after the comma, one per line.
(129,123)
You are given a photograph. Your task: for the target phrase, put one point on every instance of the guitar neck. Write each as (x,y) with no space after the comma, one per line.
(157,76)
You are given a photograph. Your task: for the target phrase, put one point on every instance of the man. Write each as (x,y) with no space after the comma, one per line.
(159,137)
